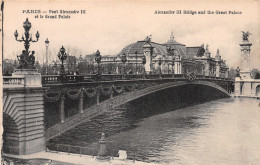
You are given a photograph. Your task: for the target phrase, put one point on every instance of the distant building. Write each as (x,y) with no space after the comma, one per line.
(183,60)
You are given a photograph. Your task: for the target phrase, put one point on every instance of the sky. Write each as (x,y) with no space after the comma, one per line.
(111,25)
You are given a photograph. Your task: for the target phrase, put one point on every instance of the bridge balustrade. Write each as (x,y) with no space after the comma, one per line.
(13,81)
(56,79)
(53,79)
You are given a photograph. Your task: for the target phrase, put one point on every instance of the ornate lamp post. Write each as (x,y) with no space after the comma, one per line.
(98,60)
(55,68)
(136,61)
(170,52)
(62,56)
(144,62)
(26,61)
(160,70)
(124,59)
(47,45)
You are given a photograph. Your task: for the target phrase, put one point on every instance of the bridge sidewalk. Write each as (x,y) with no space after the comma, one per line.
(75,159)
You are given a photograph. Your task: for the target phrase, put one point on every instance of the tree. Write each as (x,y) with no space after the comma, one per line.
(255,74)
(232,73)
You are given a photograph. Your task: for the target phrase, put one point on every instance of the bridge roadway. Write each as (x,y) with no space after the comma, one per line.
(152,85)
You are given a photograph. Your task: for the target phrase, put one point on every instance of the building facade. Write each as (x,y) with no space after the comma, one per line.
(182,59)
(168,58)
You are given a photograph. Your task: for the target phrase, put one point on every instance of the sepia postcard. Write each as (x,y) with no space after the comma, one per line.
(130,82)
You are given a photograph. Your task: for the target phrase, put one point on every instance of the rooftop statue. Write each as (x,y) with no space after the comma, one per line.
(148,39)
(245,35)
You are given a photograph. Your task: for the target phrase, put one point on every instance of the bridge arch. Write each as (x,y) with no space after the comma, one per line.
(119,100)
(10,135)
(23,121)
(11,120)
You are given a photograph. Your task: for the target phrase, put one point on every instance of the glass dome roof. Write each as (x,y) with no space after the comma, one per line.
(130,50)
(159,49)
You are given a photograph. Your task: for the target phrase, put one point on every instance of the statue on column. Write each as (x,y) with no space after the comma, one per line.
(245,35)
(148,39)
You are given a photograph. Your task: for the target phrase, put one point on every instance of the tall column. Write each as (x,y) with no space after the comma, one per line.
(217,70)
(62,115)
(148,52)
(207,69)
(245,60)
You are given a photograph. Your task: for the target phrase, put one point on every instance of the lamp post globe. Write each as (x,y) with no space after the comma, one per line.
(27,25)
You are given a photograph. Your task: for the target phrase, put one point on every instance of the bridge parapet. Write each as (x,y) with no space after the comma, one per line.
(55,79)
(13,81)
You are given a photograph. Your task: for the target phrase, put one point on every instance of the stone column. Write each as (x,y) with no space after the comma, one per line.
(207,69)
(237,86)
(245,60)
(23,120)
(217,70)
(148,52)
(62,114)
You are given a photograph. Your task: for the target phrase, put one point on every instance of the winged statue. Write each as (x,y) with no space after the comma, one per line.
(245,35)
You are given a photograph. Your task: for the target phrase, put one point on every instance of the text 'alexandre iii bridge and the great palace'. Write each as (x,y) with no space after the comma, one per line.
(38,108)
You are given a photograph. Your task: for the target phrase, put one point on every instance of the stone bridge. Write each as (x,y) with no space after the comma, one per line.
(33,116)
(110,94)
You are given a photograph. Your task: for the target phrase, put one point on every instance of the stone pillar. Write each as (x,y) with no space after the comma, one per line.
(237,86)
(245,60)
(62,114)
(246,89)
(31,76)
(148,52)
(81,97)
(23,120)
(207,69)
(177,65)
(217,70)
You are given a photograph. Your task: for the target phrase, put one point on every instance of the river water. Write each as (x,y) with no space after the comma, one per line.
(225,131)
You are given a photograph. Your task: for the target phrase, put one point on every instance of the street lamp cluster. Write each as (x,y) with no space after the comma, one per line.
(27,60)
(62,55)
(171,52)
